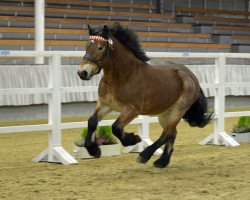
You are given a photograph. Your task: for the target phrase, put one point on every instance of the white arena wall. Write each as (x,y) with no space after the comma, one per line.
(34,106)
(36,76)
(15,107)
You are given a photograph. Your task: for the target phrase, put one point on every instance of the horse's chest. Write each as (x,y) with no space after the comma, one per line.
(107,96)
(110,100)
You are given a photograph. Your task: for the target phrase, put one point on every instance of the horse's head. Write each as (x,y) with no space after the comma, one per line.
(97,49)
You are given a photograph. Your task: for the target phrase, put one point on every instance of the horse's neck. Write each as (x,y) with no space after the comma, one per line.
(122,64)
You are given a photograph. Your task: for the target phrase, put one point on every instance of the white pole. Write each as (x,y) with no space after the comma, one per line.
(219,137)
(55,152)
(39,28)
(55,101)
(219,98)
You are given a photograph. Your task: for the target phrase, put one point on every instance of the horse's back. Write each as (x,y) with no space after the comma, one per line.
(172,73)
(176,72)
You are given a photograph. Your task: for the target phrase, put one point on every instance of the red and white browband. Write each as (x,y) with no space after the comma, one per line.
(97,37)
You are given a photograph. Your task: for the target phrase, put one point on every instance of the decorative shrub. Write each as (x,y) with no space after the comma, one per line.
(104,135)
(243,125)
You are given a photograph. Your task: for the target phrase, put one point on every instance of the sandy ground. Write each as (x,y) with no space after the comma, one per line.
(195,172)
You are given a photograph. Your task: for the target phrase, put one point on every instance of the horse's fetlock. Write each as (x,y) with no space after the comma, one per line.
(161,163)
(144,156)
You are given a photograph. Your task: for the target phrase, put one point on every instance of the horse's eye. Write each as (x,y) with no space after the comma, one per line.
(100,48)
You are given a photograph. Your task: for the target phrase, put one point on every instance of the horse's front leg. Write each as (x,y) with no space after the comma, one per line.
(126,116)
(90,141)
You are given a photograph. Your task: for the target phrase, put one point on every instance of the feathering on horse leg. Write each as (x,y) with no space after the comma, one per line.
(90,141)
(126,139)
(147,153)
(168,120)
(164,160)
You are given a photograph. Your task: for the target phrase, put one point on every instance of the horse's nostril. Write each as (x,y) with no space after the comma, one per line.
(83,74)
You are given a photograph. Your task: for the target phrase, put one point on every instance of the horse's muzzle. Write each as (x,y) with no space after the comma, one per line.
(83,75)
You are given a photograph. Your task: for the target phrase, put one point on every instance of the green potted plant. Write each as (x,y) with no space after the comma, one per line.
(241,131)
(104,138)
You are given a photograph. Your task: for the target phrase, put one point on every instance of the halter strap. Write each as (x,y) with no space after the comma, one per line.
(91,58)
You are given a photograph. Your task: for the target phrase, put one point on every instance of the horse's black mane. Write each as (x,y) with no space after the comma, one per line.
(129,38)
(125,35)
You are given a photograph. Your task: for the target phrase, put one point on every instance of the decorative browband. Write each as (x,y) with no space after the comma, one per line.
(97,37)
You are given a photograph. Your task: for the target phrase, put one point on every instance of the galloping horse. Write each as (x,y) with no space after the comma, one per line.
(133,87)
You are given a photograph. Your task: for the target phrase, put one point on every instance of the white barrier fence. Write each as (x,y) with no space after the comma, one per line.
(56,153)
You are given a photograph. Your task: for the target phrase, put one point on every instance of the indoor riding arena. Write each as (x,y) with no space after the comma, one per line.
(96,96)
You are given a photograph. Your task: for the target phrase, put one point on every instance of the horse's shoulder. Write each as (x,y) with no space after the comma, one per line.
(104,88)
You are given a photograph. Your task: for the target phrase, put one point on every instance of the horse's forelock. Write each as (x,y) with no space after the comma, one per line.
(102,31)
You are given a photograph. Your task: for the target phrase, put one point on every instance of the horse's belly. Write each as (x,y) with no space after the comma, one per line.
(155,108)
(159,99)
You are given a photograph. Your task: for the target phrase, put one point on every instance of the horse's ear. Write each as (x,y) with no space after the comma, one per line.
(105,32)
(90,29)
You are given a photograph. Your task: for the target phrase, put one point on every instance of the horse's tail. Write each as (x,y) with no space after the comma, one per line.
(197,114)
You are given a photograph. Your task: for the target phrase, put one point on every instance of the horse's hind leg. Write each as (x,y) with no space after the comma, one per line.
(168,135)
(168,120)
(147,153)
(164,160)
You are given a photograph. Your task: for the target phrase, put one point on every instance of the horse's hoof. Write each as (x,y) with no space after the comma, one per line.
(94,150)
(141,159)
(130,139)
(161,163)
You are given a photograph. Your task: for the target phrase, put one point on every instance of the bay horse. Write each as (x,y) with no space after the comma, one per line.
(133,87)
